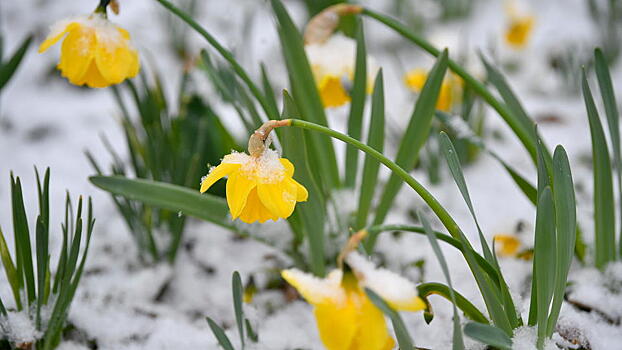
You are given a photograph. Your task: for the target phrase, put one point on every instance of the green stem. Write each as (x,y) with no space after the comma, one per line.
(443,215)
(483,263)
(226,54)
(524,136)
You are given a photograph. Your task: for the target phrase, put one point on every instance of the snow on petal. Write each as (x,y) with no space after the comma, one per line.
(317,290)
(400,293)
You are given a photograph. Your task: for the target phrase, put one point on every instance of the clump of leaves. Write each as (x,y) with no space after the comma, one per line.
(37,295)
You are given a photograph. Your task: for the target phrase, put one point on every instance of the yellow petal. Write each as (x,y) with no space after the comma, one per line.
(444,97)
(301,192)
(93,78)
(217,173)
(317,290)
(415,79)
(289,167)
(279,198)
(56,34)
(239,186)
(372,328)
(506,245)
(77,52)
(115,57)
(337,325)
(518,31)
(254,210)
(332,92)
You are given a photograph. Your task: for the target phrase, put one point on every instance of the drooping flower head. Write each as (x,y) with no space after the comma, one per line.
(519,27)
(346,318)
(260,186)
(94,52)
(451,88)
(332,56)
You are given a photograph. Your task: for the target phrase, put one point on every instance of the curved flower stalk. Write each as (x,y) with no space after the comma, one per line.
(95,52)
(449,94)
(346,317)
(519,27)
(332,56)
(260,186)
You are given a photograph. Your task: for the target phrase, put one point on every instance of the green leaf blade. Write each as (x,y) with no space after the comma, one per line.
(375,139)
(415,135)
(172,197)
(604,217)
(489,335)
(357,106)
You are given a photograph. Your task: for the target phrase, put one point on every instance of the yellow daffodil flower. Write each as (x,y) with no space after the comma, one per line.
(332,64)
(346,317)
(95,52)
(519,27)
(260,187)
(450,88)
(518,31)
(506,245)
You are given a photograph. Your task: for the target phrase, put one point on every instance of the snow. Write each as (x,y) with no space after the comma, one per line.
(388,285)
(122,304)
(19,327)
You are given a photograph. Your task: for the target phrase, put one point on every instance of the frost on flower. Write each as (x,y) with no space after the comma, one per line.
(259,188)
(346,318)
(332,63)
(95,52)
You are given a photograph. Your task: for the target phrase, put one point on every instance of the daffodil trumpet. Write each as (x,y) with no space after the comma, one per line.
(346,318)
(260,184)
(95,52)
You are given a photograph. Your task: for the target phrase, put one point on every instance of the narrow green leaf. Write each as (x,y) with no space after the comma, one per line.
(22,239)
(489,335)
(463,132)
(226,54)
(313,211)
(42,242)
(9,269)
(566,223)
(305,94)
(604,217)
(252,335)
(171,197)
(401,333)
(357,106)
(236,287)
(8,68)
(544,259)
(456,170)
(509,97)
(220,335)
(268,92)
(458,342)
(375,139)
(414,137)
(611,111)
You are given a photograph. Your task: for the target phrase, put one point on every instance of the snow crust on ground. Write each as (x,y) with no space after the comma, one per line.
(46,122)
